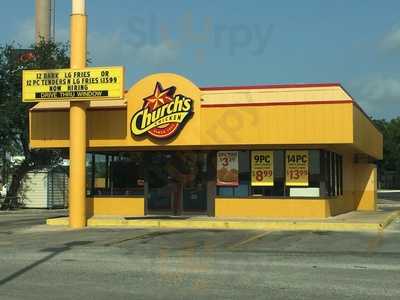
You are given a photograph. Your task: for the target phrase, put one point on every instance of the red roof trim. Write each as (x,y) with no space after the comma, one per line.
(271,86)
(278,103)
(67,108)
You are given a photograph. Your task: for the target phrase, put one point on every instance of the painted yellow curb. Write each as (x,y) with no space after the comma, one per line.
(390,218)
(235,224)
(105,222)
(58,221)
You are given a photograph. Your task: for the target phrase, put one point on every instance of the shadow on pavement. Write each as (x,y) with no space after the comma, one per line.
(53,252)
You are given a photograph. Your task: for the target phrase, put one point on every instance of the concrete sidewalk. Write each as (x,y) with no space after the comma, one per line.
(352,221)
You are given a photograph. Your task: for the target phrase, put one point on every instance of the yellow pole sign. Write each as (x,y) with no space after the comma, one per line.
(99,83)
(262,168)
(297,168)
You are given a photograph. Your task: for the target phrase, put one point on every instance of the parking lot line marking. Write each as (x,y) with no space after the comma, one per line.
(248,240)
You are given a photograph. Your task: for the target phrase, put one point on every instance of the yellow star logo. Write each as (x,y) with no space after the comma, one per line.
(159,97)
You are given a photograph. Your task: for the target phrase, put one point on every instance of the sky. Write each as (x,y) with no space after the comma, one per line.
(232,42)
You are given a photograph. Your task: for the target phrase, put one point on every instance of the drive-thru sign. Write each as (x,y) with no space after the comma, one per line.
(100,83)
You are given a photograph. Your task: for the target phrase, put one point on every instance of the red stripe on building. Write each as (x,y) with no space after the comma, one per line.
(277,103)
(270,86)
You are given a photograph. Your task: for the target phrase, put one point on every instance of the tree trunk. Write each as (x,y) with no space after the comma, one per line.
(15,185)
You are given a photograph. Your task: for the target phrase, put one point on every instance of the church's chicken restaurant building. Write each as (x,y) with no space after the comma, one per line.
(169,147)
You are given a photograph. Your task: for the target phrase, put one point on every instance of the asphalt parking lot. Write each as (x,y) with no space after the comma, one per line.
(41,262)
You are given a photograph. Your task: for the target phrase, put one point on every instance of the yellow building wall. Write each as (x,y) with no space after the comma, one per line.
(367,138)
(275,95)
(295,115)
(359,187)
(115,206)
(271,208)
(344,203)
(340,204)
(49,129)
(359,193)
(292,124)
(105,125)
(365,187)
(286,117)
(279,125)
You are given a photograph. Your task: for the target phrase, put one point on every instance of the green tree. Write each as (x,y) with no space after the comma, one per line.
(391,144)
(14,114)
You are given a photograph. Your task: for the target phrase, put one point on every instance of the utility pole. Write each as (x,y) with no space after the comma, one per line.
(77,122)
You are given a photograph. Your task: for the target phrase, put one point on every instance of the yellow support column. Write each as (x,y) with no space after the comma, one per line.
(77,122)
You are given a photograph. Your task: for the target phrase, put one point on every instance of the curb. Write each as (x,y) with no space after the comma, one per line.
(58,221)
(389,219)
(233,225)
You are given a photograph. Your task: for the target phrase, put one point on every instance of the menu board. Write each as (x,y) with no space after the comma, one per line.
(262,168)
(96,83)
(227,168)
(297,168)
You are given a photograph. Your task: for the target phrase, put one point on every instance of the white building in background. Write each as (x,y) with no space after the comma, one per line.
(45,189)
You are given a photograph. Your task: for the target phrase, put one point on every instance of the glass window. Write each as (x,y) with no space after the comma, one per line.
(278,189)
(115,173)
(334,175)
(242,190)
(314,168)
(324,178)
(331,174)
(124,173)
(127,175)
(89,173)
(100,174)
(339,175)
(316,185)
(325,174)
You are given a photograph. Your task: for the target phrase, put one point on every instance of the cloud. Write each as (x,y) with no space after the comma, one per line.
(113,48)
(391,41)
(378,95)
(25,33)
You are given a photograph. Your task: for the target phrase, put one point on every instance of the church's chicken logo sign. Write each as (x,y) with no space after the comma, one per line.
(162,114)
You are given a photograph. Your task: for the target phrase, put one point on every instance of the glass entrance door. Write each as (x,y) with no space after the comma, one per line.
(194,187)
(177,182)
